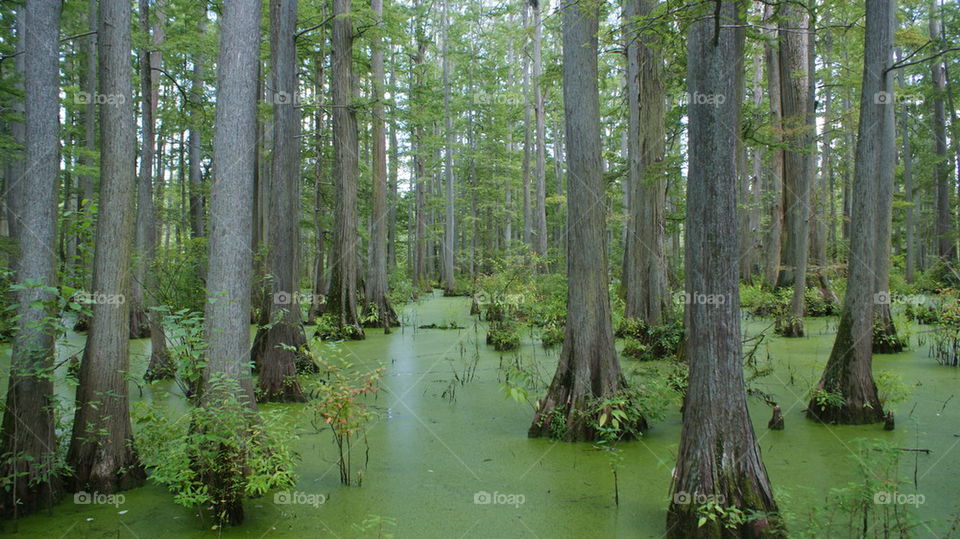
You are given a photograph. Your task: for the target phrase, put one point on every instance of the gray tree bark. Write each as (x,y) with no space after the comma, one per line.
(644,270)
(944,217)
(849,369)
(718,454)
(197,223)
(342,300)
(588,369)
(540,209)
(376,294)
(160,366)
(277,348)
(101,454)
(795,100)
(28,437)
(773,189)
(449,248)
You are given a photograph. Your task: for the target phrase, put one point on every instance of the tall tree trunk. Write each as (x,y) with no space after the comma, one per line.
(101,453)
(160,366)
(197,224)
(28,439)
(774,187)
(849,372)
(909,222)
(885,338)
(944,217)
(317,307)
(145,226)
(718,455)
(342,300)
(227,314)
(87,181)
(448,224)
(278,347)
(644,271)
(540,210)
(393,181)
(794,97)
(588,369)
(377,298)
(527,111)
(419,261)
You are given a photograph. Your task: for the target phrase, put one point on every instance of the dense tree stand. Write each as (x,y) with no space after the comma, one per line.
(718,459)
(588,371)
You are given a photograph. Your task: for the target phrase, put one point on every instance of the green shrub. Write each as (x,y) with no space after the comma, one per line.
(653,342)
(179,276)
(504,336)
(217,454)
(819,305)
(551,335)
(338,404)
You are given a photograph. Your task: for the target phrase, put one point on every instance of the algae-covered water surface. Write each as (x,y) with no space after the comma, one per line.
(449,455)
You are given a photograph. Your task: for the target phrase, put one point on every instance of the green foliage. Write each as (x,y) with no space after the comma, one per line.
(648,343)
(186,346)
(759,300)
(878,503)
(827,399)
(338,404)
(328,328)
(217,453)
(179,274)
(730,517)
(890,388)
(816,304)
(504,335)
(551,334)
(522,380)
(8,309)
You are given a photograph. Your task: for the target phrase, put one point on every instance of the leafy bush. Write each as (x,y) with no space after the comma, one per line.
(552,334)
(179,276)
(186,347)
(217,454)
(504,335)
(648,343)
(338,404)
(760,301)
(819,305)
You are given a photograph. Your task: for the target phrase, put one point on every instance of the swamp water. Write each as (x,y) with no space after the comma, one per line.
(435,458)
